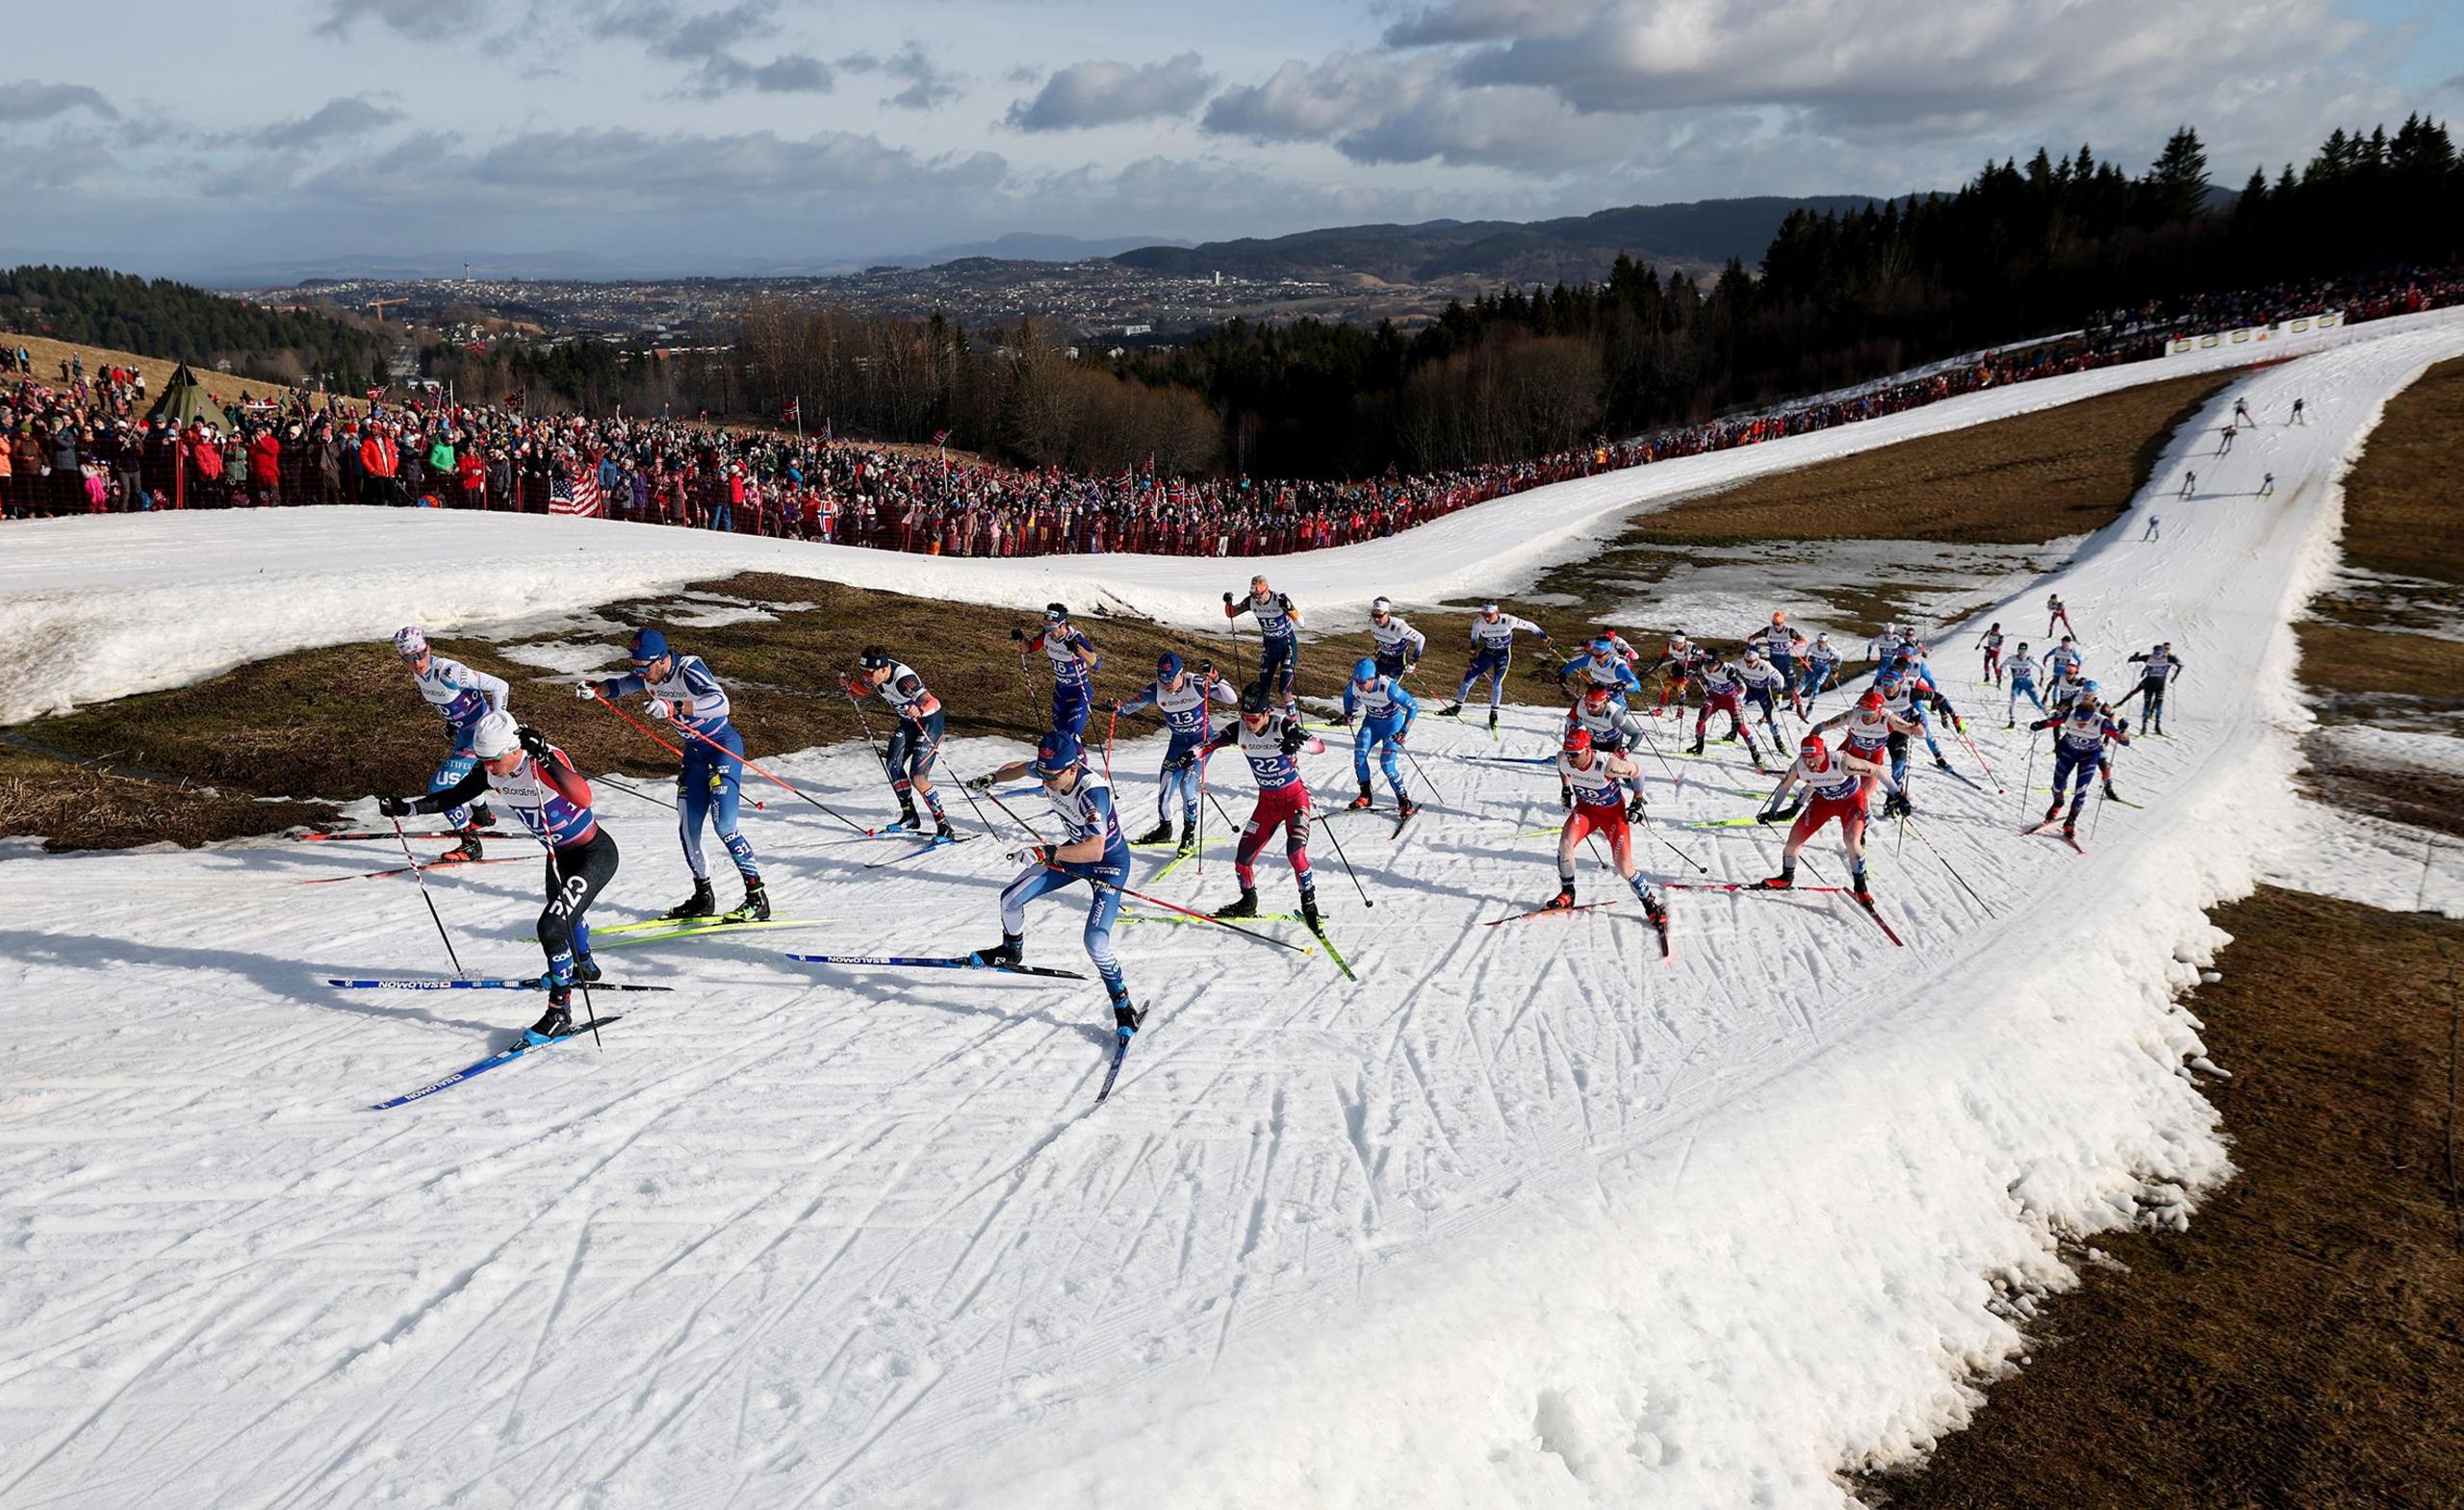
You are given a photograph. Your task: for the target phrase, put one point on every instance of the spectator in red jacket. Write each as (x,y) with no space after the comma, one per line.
(379,460)
(265,468)
(475,478)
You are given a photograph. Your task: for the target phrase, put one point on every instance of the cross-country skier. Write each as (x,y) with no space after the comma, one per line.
(1835,787)
(2298,407)
(2055,613)
(914,736)
(1822,664)
(1385,711)
(1074,663)
(2062,662)
(2266,485)
(2225,441)
(1090,850)
(2077,751)
(1602,713)
(1399,646)
(1600,665)
(1884,646)
(1724,692)
(536,780)
(2157,669)
(1763,681)
(2189,485)
(1992,640)
(1599,780)
(2241,411)
(1780,645)
(1866,729)
(2023,670)
(2155,530)
(682,690)
(1492,632)
(1268,741)
(1182,698)
(1278,634)
(1908,696)
(461,697)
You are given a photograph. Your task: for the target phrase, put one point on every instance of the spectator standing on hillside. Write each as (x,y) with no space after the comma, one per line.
(379,460)
(265,468)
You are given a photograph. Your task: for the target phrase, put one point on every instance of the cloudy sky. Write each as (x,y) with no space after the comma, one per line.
(190,138)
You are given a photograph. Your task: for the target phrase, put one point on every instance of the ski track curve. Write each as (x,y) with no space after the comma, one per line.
(801,1235)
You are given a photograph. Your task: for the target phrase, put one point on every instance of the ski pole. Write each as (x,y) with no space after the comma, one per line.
(433,915)
(1110,724)
(635,791)
(1998,789)
(1347,870)
(743,760)
(866,723)
(1027,687)
(2027,782)
(1418,771)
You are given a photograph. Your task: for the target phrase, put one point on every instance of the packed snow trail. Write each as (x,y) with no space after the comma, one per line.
(318,576)
(1523,1218)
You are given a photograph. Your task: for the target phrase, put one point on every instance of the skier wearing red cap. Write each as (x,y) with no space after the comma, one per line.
(1834,788)
(1867,726)
(1598,782)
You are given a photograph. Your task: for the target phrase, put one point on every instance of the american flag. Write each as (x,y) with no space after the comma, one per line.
(575,493)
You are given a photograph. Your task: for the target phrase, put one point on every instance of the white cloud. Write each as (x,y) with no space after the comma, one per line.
(29,99)
(1104,94)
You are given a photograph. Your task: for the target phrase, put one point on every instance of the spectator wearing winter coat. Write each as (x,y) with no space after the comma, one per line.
(379,459)
(265,468)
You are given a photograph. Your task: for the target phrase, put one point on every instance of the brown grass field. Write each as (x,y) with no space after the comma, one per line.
(2019,481)
(48,354)
(2301,1346)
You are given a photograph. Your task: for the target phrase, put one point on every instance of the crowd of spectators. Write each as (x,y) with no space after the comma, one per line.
(85,444)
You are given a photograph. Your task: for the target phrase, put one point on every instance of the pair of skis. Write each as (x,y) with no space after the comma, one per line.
(1659,920)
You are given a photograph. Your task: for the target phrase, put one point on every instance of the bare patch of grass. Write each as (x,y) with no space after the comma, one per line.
(2300,1344)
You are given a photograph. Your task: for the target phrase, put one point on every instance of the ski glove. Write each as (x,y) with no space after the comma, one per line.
(979,784)
(1293,740)
(394,807)
(1019,635)
(658,709)
(534,744)
(1032,855)
(586,691)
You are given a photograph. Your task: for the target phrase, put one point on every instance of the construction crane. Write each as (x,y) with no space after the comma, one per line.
(378,305)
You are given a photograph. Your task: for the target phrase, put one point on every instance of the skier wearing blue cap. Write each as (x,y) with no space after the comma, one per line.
(461,697)
(1600,665)
(1183,699)
(682,690)
(1386,712)
(2085,727)
(1091,850)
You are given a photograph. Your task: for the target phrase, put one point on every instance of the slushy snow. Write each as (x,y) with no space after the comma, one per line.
(1523,1218)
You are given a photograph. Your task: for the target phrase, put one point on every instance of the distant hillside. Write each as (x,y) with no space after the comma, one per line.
(95,307)
(1577,249)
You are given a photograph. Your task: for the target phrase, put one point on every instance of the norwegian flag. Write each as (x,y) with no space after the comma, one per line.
(513,401)
(825,430)
(577,494)
(375,393)
(792,412)
(940,437)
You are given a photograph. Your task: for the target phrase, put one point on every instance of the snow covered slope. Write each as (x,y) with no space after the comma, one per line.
(193,595)
(1523,1218)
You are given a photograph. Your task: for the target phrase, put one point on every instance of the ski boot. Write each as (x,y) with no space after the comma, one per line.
(1493,721)
(2013,724)
(908,821)
(1698,743)
(1189,837)
(1359,804)
(466,853)
(1858,888)
(1781,881)
(1154,836)
(558,1020)
(1126,1018)
(2071,829)
(1404,807)
(2053,810)
(1246,907)
(1941,764)
(2110,794)
(1012,950)
(1562,900)
(943,832)
(701,904)
(1309,910)
(755,905)
(1451,710)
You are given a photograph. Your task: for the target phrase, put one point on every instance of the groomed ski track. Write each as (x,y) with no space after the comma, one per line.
(1525,1218)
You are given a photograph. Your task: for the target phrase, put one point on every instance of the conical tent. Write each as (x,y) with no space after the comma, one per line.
(184,402)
